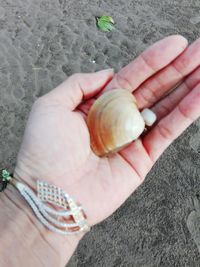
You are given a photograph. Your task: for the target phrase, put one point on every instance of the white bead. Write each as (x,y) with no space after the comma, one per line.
(149,116)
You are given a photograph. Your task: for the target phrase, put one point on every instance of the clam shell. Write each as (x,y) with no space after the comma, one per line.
(114,121)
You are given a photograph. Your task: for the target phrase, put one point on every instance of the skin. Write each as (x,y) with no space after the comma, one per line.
(56,145)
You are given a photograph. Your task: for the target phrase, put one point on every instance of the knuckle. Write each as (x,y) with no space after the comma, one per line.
(184,113)
(164,131)
(165,108)
(123,82)
(147,96)
(149,65)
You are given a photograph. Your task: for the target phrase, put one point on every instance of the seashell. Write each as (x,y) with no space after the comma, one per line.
(114,121)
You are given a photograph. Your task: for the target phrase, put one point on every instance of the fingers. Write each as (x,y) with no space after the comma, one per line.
(155,87)
(141,163)
(167,104)
(171,126)
(148,63)
(79,87)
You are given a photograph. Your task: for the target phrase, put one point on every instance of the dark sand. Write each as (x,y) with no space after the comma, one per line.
(43,42)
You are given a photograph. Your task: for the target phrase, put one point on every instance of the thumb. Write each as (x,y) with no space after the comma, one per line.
(79,87)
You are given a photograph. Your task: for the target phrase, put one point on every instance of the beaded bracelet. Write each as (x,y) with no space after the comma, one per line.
(52,206)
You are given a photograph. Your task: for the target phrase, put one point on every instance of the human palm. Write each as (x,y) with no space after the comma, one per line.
(56,145)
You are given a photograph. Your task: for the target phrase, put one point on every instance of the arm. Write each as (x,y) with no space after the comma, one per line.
(25,241)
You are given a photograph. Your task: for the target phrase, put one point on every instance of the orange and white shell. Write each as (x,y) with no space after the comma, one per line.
(114,121)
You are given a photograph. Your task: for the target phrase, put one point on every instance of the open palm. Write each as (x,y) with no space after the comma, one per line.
(56,145)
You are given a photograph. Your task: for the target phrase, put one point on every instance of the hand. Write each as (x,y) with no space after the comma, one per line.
(56,144)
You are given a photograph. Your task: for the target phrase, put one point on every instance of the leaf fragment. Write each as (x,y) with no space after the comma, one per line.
(105,23)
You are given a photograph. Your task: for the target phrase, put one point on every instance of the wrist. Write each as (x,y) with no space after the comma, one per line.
(27,237)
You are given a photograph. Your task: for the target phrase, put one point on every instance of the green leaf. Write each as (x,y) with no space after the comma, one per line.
(105,23)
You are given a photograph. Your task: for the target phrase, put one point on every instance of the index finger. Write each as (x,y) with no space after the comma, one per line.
(153,59)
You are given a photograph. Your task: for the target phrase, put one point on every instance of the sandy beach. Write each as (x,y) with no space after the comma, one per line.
(42,42)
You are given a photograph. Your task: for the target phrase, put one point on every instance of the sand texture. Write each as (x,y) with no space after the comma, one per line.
(44,41)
